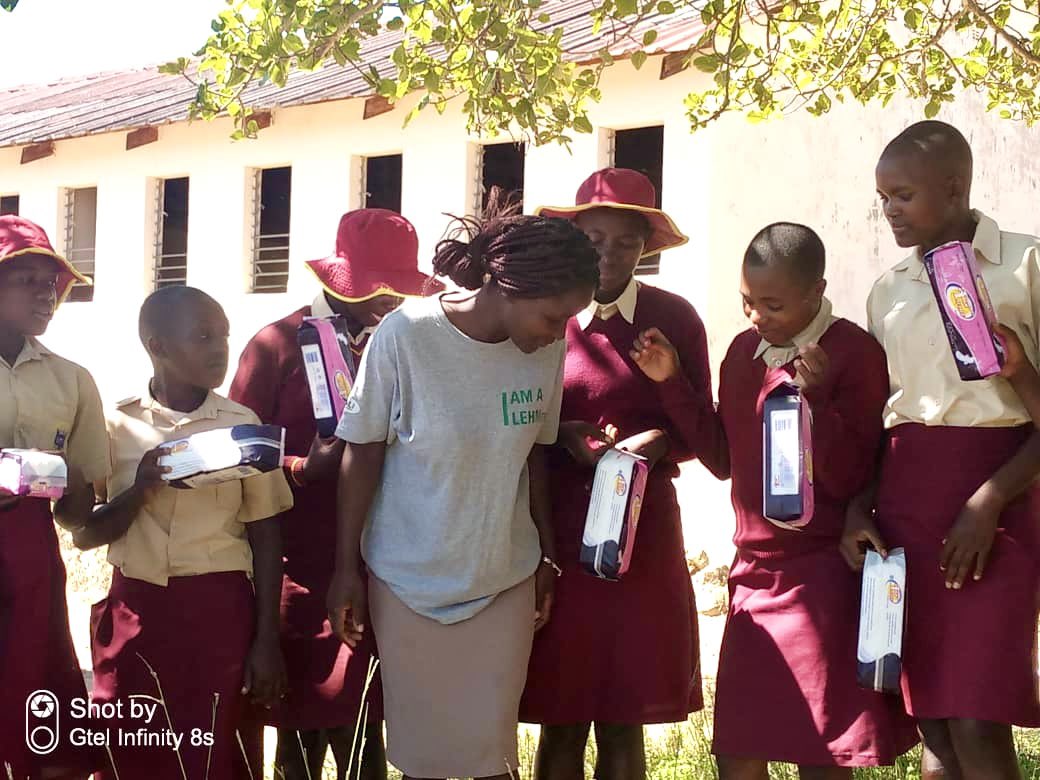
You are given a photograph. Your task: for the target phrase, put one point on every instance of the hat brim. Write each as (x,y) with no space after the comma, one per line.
(67,275)
(664,234)
(364,287)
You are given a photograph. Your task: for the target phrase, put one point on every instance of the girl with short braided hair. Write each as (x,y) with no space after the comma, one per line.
(456,397)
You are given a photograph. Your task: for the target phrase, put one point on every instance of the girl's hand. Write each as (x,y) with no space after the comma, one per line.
(265,678)
(652,445)
(544,592)
(655,355)
(347,602)
(811,367)
(149,473)
(586,442)
(1015,361)
(966,548)
(860,533)
(322,461)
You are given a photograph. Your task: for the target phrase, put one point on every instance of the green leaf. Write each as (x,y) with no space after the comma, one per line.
(397,23)
(707,63)
(932,109)
(665,7)
(976,69)
(626,8)
(649,37)
(582,124)
(638,59)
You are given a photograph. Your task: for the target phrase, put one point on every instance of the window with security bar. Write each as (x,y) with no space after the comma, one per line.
(81,237)
(171,235)
(9,204)
(381,188)
(500,165)
(641,149)
(272,189)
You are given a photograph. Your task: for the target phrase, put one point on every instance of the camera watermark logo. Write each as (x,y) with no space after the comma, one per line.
(41,722)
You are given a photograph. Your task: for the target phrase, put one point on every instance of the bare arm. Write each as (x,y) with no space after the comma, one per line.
(113,519)
(359,475)
(541,513)
(265,676)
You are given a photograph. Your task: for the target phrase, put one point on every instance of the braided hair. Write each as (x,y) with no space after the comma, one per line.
(524,256)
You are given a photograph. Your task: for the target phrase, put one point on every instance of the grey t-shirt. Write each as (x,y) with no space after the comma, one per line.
(450,526)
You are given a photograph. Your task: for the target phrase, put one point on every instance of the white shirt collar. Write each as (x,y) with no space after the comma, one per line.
(624,304)
(320,307)
(776,355)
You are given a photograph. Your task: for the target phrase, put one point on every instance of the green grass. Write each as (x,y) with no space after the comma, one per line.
(683,752)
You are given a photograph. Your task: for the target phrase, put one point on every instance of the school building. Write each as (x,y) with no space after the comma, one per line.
(138,196)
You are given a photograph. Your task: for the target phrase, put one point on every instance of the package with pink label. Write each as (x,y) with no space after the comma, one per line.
(967,313)
(613,516)
(32,473)
(329,365)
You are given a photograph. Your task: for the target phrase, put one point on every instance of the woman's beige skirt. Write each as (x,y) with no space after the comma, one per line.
(451,693)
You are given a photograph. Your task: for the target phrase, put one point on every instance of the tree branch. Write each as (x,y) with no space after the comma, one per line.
(1015,43)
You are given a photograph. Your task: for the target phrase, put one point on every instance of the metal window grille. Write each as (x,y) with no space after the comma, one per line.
(9,204)
(170,265)
(270,245)
(80,233)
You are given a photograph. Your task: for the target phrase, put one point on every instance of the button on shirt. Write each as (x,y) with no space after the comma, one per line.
(904,317)
(50,403)
(186,532)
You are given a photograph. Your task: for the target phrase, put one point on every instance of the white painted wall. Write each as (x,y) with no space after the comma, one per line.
(720,185)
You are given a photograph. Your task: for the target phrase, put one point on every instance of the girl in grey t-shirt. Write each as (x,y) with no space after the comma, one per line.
(447,501)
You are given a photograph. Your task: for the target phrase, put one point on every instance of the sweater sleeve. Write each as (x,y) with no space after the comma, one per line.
(847,422)
(695,426)
(258,380)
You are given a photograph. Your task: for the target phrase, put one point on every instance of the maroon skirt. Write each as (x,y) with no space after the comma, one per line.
(326,677)
(968,653)
(186,645)
(786,688)
(618,652)
(36,650)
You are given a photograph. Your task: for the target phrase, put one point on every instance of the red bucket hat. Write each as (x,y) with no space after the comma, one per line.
(19,236)
(377,253)
(623,188)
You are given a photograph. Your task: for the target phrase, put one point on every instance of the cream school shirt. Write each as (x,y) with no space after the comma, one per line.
(179,532)
(50,403)
(904,317)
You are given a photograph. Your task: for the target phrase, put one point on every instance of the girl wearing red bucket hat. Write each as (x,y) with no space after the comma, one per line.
(620,654)
(50,404)
(373,269)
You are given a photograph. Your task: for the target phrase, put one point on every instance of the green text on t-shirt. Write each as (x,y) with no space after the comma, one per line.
(516,407)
